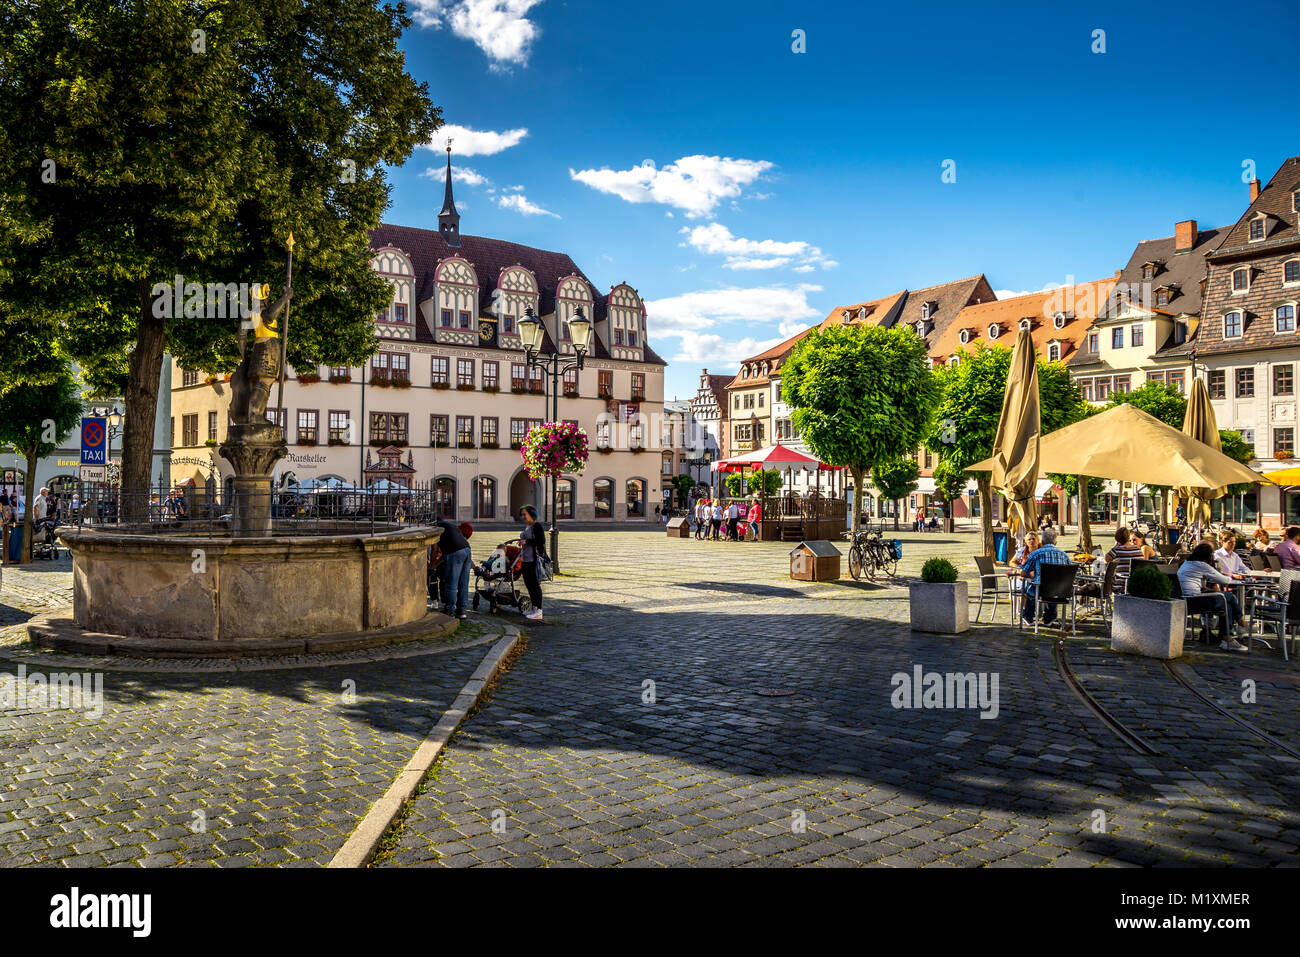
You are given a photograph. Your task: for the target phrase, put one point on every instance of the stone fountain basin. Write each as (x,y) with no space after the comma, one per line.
(173,585)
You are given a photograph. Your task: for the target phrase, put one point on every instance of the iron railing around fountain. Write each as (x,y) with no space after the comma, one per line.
(295,510)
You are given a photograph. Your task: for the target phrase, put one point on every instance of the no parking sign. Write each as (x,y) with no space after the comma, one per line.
(94,441)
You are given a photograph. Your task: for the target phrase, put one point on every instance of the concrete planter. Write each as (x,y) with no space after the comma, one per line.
(1145,626)
(940,607)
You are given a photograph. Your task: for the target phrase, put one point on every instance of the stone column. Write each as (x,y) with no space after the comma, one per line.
(252,449)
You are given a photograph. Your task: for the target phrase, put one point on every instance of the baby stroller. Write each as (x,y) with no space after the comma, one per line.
(498,579)
(45,541)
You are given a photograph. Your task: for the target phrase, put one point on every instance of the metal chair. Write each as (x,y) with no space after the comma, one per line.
(1274,563)
(1204,615)
(989,585)
(1279,615)
(1055,587)
(1257,562)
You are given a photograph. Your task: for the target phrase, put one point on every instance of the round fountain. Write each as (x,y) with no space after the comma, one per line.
(248,587)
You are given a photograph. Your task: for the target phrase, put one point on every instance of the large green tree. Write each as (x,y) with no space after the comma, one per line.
(35,420)
(147,140)
(860,396)
(965,422)
(896,480)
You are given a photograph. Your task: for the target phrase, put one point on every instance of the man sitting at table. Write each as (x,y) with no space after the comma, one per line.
(1287,550)
(1047,554)
(1226,558)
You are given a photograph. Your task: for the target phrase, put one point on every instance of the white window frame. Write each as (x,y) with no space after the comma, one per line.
(1246,288)
(1053,352)
(1241,324)
(1058,320)
(964,336)
(994,331)
(1276,309)
(1263,229)
(1293,282)
(1026,324)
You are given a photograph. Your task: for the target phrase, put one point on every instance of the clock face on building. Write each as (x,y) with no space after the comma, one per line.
(485,331)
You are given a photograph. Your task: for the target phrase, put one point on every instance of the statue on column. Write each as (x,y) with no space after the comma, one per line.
(261,362)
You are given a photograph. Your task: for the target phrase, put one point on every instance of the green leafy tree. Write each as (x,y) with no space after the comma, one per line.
(1238,449)
(965,422)
(896,480)
(142,141)
(35,420)
(860,396)
(949,483)
(763,482)
(682,485)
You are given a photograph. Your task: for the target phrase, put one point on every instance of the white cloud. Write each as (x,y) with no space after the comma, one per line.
(459,174)
(470,142)
(750,254)
(708,347)
(693,184)
(521,204)
(500,28)
(1012,294)
(707,308)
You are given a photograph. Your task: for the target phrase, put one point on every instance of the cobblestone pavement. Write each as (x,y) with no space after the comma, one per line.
(232,769)
(768,735)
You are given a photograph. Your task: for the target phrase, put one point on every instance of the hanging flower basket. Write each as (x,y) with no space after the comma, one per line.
(554,448)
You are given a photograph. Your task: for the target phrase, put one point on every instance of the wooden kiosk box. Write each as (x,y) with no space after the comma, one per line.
(815,561)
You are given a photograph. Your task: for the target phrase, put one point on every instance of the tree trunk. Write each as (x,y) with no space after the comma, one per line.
(986,514)
(29,492)
(1085,527)
(141,401)
(897,505)
(859,479)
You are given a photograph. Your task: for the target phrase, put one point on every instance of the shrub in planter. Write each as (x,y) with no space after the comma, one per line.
(939,603)
(1146,621)
(938,570)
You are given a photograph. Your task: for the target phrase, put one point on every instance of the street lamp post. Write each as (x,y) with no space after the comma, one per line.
(532,334)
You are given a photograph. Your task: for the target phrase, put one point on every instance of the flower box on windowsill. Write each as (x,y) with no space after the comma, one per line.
(464,387)
(401,383)
(443,386)
(636,448)
(570,393)
(605,395)
(492,388)
(637,398)
(604,449)
(211,443)
(1283,455)
(517,389)
(308,379)
(210,380)
(489,445)
(535,390)
(464,445)
(337,442)
(516,445)
(337,379)
(380,383)
(307,442)
(396,443)
(440,444)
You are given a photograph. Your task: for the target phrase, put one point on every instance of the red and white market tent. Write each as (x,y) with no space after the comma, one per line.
(773,457)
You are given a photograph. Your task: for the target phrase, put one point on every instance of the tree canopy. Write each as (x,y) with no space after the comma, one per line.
(1156,399)
(860,395)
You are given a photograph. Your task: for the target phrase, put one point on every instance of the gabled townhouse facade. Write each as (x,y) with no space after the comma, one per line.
(1247,347)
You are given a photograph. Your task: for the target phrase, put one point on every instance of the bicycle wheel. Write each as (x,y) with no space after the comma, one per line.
(855,563)
(870,563)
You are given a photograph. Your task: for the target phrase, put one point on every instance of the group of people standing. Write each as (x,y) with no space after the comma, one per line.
(715,521)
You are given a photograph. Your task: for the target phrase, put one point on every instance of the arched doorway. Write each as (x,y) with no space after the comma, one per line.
(523,491)
(444,497)
(485,497)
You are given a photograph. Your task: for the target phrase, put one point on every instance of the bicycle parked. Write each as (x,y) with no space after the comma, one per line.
(870,554)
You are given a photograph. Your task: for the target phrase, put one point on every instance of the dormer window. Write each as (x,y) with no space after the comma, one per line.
(1291,271)
(1058,320)
(954,360)
(994,330)
(1257,229)
(862,312)
(765,368)
(925,310)
(1232,325)
(1149,271)
(844,314)
(1241,280)
(920,327)
(1284,318)
(964,336)
(744,372)
(1295,201)
(1053,352)
(1162,297)
(1026,324)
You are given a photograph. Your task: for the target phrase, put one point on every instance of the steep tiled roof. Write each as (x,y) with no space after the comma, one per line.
(1079,304)
(718,386)
(426,248)
(878,311)
(773,356)
(1275,202)
(945,301)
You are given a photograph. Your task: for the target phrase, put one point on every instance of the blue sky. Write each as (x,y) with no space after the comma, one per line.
(785,183)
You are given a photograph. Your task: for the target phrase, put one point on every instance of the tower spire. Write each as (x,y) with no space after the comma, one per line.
(449,219)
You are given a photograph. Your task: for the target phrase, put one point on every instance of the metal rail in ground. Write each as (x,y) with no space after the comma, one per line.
(1091,703)
(1258,732)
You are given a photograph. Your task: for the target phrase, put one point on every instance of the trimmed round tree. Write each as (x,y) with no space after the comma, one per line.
(860,395)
